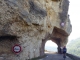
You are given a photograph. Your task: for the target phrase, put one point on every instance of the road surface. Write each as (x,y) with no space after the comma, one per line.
(55,57)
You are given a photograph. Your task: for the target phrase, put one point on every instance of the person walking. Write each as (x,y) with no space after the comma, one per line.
(64,52)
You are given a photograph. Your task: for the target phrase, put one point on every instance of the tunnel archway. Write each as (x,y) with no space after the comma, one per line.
(50,47)
(58,36)
(44,42)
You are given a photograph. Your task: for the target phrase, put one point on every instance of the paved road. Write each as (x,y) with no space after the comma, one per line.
(55,57)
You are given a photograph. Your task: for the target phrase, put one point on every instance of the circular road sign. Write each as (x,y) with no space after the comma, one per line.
(16,48)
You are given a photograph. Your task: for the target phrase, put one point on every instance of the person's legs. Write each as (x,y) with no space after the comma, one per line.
(64,55)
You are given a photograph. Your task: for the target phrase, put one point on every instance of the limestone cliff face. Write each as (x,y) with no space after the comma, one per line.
(27,22)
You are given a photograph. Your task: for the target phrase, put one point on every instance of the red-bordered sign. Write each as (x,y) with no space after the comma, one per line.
(16,49)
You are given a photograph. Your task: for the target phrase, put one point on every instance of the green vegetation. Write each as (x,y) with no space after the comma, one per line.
(74,47)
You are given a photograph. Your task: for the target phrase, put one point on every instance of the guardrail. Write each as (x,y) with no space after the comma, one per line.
(73,56)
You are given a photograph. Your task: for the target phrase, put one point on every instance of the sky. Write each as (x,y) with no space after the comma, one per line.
(74,12)
(50,43)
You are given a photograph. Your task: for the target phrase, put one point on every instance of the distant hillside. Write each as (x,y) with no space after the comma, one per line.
(74,47)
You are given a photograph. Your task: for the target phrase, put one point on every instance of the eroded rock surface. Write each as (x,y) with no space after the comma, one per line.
(27,22)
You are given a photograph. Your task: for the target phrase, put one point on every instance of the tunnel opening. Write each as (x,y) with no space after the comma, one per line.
(50,42)
(6,43)
(50,47)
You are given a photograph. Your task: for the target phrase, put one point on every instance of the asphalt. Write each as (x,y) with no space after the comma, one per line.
(55,57)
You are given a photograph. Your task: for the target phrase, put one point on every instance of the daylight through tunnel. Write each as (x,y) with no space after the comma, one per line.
(55,40)
(50,47)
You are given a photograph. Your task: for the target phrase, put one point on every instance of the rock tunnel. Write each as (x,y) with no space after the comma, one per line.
(58,36)
(30,23)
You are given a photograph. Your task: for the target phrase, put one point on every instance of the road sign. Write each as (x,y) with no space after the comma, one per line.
(16,48)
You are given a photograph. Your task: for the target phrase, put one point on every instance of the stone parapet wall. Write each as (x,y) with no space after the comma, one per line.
(73,56)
